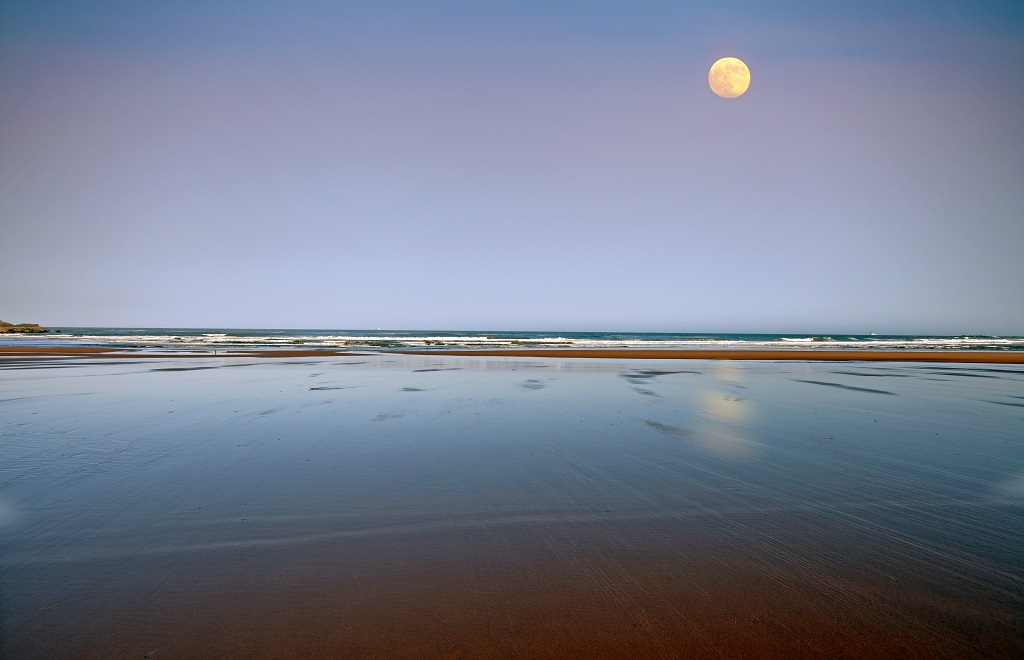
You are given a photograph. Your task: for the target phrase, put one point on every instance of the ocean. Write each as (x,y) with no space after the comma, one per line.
(192,339)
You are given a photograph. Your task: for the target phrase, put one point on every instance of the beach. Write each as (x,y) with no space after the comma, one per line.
(502,503)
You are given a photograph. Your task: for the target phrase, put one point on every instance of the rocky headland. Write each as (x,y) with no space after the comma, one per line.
(21,327)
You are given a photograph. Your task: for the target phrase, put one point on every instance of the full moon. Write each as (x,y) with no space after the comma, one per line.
(729,77)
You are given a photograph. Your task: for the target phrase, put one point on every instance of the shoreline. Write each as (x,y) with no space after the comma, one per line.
(797,355)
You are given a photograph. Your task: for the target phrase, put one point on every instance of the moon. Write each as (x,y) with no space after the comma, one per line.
(729,77)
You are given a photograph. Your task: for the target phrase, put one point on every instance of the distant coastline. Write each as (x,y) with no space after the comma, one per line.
(26,328)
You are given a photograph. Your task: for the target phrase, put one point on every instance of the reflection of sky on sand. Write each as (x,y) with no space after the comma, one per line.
(127,471)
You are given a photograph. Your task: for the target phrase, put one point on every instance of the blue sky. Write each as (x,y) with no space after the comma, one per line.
(526,165)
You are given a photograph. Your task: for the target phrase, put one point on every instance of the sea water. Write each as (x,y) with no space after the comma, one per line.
(377,339)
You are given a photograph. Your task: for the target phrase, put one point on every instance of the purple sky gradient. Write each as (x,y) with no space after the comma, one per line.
(451,165)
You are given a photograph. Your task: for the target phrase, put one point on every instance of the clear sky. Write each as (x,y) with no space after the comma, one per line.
(516,165)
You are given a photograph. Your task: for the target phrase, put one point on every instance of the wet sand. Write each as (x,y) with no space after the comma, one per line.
(422,506)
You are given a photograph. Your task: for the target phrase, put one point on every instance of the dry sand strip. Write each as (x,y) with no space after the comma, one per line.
(989,357)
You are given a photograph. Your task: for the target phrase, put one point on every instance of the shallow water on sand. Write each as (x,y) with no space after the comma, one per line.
(405,506)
